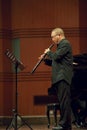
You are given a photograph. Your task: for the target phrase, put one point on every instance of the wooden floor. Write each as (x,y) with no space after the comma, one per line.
(39,127)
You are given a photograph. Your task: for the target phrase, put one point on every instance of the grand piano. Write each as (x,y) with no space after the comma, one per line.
(79,90)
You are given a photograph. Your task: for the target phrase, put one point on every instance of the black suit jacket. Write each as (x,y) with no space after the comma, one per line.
(62,62)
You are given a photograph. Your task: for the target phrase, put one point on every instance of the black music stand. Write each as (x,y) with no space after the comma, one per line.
(18,64)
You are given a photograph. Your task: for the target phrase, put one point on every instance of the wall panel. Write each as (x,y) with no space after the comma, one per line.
(44,13)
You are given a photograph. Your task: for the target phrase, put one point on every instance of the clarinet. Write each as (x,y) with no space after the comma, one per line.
(38,63)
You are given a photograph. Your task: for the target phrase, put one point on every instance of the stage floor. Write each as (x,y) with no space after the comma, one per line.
(39,127)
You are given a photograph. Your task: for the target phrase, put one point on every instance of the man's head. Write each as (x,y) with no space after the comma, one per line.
(57,35)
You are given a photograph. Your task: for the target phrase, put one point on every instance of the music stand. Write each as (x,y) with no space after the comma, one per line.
(18,64)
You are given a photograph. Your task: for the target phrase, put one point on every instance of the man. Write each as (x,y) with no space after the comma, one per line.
(62,72)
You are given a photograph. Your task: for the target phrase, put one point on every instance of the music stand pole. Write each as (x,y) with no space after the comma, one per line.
(16,97)
(18,64)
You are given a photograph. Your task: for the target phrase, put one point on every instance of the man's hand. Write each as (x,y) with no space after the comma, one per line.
(46,50)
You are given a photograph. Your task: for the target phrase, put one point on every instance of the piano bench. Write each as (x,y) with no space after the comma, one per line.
(52,107)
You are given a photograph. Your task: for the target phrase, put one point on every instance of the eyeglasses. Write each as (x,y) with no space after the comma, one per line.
(54,36)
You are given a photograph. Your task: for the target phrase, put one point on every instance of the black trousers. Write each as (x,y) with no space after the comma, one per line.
(63,93)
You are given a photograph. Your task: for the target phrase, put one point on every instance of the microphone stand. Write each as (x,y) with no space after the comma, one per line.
(18,64)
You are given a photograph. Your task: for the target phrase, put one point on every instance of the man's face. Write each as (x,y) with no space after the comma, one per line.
(55,37)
